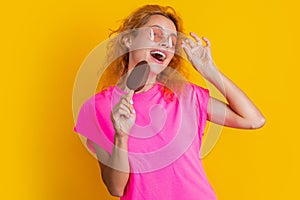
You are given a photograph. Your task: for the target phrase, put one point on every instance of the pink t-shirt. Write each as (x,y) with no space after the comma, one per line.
(163,145)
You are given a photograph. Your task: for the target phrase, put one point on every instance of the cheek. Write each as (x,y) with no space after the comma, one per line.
(140,43)
(137,55)
(170,57)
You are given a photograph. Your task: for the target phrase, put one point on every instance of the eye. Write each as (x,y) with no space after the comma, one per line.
(158,34)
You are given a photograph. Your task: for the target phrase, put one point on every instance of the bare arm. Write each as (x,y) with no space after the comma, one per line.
(115,168)
(240,112)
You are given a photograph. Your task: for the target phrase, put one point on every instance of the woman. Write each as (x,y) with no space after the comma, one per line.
(148,143)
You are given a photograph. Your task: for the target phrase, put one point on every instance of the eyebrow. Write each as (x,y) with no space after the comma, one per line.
(162,28)
(157,26)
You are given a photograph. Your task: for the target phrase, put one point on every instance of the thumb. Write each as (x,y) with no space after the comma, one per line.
(130,95)
(187,50)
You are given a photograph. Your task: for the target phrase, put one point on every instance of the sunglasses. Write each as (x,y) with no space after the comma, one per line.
(157,34)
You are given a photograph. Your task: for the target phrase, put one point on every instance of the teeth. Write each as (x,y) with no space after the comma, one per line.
(160,53)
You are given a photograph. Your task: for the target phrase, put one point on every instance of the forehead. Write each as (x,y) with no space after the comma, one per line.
(163,22)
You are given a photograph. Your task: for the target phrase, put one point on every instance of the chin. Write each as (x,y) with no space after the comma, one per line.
(156,68)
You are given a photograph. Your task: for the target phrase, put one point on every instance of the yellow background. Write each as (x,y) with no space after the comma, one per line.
(43,44)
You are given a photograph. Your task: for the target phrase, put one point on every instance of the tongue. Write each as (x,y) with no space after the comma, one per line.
(157,56)
(138,76)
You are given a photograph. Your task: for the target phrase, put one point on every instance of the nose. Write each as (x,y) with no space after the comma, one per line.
(164,42)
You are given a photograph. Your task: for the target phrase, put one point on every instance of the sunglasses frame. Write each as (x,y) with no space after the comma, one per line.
(162,37)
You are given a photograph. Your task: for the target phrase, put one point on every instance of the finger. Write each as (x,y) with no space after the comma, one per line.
(186,46)
(186,49)
(126,103)
(123,111)
(196,37)
(124,98)
(130,95)
(118,114)
(190,42)
(129,108)
(206,41)
(130,101)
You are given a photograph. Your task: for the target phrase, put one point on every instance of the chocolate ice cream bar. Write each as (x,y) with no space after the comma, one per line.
(138,76)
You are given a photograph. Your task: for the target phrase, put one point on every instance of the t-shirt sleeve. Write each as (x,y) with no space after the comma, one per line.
(202,97)
(88,125)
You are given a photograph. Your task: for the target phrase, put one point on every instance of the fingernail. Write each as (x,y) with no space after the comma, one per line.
(133,111)
(131,101)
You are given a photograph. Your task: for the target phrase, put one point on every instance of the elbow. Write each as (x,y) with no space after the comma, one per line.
(117,192)
(115,189)
(115,185)
(258,123)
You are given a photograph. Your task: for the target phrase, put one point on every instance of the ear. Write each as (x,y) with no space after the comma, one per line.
(127,41)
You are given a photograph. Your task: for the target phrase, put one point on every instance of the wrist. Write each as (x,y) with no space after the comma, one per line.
(121,140)
(212,73)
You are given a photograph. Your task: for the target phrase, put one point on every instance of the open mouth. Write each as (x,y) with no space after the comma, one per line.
(158,55)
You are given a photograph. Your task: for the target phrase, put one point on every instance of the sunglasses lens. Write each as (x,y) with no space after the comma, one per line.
(173,40)
(157,35)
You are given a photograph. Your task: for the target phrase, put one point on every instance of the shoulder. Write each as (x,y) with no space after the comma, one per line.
(101,97)
(105,94)
(199,94)
(195,91)
(199,89)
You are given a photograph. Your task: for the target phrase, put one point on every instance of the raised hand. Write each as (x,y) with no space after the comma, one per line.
(198,54)
(123,115)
